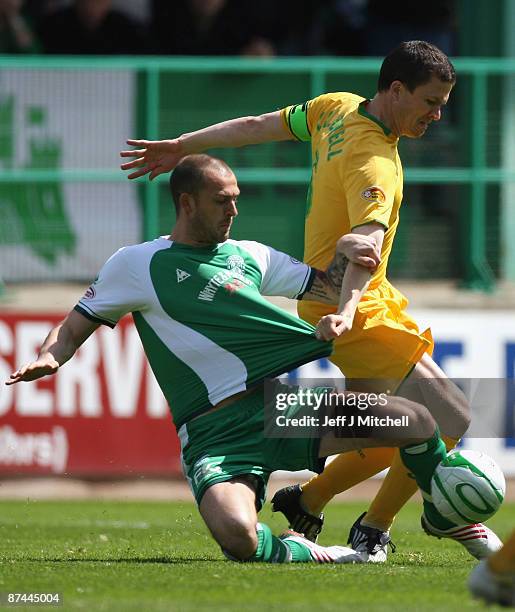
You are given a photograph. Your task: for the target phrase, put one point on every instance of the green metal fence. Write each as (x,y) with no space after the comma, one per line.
(174,95)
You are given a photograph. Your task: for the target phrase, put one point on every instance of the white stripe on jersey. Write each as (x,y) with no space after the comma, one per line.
(191,347)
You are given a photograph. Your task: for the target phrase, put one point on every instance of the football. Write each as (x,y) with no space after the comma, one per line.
(467,487)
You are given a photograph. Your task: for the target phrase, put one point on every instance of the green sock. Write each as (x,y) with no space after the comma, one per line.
(299,552)
(270,549)
(421,460)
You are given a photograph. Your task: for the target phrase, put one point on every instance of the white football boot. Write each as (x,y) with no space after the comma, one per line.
(478,539)
(491,587)
(324,554)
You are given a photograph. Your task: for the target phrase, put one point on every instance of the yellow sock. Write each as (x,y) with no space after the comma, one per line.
(342,473)
(450,443)
(395,491)
(503,561)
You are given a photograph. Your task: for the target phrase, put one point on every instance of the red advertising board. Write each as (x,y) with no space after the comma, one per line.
(102,414)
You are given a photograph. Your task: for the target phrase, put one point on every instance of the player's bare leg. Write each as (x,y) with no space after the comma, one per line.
(415,424)
(421,451)
(428,385)
(229,511)
(372,541)
(401,423)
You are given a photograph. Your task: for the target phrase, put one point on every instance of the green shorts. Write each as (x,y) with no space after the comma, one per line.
(230,442)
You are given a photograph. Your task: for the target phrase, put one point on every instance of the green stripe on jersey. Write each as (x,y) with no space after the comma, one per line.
(298,122)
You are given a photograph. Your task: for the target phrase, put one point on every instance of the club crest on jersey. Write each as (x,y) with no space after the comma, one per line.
(374,194)
(236,263)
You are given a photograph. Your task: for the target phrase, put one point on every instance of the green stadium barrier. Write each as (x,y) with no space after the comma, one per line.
(450,182)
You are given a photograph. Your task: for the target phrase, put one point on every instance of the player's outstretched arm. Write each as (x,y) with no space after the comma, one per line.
(59,346)
(155,157)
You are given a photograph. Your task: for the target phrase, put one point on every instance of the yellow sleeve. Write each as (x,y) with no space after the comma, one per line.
(302,120)
(370,183)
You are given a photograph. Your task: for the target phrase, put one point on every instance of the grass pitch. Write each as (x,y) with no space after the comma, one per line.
(158,556)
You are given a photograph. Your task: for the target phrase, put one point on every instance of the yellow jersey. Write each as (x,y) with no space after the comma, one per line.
(356,174)
(357,179)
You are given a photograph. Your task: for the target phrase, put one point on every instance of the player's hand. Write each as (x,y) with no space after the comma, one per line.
(152,156)
(360,249)
(43,366)
(332,326)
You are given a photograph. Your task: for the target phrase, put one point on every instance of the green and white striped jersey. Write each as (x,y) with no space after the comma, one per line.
(206,329)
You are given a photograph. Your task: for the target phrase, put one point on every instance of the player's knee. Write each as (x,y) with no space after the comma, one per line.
(421,424)
(456,419)
(451,408)
(239,539)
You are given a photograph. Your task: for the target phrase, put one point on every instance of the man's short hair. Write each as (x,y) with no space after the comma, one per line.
(413,63)
(189,176)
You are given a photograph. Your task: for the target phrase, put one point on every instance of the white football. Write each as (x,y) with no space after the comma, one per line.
(467,487)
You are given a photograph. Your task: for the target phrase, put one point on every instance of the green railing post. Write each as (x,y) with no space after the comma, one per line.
(508,150)
(151,193)
(478,273)
(475,174)
(317,81)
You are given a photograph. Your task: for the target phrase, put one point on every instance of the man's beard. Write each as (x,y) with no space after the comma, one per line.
(208,235)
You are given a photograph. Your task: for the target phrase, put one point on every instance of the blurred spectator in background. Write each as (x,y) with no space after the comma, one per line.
(338,28)
(390,23)
(374,27)
(229,27)
(92,27)
(289,25)
(16,35)
(138,10)
(211,27)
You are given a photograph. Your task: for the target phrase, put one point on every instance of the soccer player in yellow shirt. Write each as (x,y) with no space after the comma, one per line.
(356,186)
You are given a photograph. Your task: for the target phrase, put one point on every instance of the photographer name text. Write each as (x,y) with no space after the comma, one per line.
(342,421)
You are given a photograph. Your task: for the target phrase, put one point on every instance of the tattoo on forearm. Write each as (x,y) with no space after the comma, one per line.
(327,285)
(336,270)
(320,289)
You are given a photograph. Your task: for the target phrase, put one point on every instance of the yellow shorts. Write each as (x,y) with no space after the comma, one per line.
(384,341)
